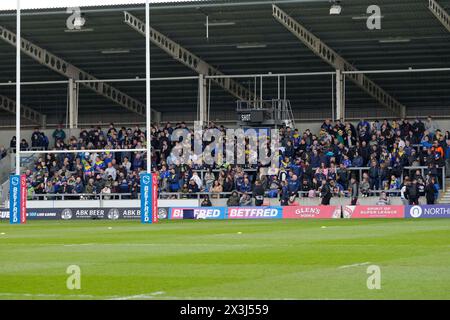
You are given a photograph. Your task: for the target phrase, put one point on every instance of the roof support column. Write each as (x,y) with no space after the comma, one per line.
(73,104)
(202,100)
(340,95)
(44,122)
(18,94)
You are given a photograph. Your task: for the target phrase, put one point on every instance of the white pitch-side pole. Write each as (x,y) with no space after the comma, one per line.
(147,87)
(18,47)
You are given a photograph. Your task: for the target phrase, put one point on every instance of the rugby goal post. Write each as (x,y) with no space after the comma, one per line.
(18,183)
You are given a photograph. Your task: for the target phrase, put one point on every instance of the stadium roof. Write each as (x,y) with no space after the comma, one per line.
(57,4)
(252,42)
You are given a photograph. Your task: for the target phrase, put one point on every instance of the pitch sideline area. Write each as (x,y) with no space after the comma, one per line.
(270,259)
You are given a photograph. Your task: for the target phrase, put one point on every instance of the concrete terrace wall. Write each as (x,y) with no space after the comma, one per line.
(34,204)
(6,135)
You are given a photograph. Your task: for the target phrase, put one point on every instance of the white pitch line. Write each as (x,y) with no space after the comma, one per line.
(81,296)
(43,295)
(232,298)
(141,296)
(354,265)
(146,296)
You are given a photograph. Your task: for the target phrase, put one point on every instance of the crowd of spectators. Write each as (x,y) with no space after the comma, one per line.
(311,164)
(88,172)
(321,164)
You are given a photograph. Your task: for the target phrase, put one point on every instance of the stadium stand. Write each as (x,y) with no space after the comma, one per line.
(380,155)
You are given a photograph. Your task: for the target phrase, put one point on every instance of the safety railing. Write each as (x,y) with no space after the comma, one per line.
(179,195)
(422,169)
(224,195)
(13,150)
(83,196)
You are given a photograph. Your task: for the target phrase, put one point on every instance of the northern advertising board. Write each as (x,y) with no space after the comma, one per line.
(428,211)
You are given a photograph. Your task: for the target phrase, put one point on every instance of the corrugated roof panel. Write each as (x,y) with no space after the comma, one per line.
(422,42)
(53,4)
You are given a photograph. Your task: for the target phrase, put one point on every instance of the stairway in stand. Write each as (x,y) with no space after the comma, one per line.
(445,195)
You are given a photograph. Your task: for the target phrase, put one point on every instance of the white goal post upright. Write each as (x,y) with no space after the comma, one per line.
(17,183)
(149,181)
(18,79)
(147,85)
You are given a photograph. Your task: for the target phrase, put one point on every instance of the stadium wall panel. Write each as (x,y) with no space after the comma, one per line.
(35,204)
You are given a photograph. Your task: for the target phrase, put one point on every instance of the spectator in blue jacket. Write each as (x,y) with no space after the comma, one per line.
(245,186)
(293,184)
(426,142)
(358,161)
(137,162)
(79,186)
(289,150)
(315,159)
(124,186)
(284,194)
(296,168)
(59,134)
(174,181)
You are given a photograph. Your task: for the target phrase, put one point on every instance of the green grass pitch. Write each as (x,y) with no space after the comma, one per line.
(271,259)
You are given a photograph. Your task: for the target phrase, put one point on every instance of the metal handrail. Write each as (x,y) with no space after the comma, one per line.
(223,195)
(13,150)
(171,195)
(81,196)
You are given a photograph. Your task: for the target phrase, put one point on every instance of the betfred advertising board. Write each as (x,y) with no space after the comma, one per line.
(208,213)
(17,199)
(149,198)
(255,213)
(312,212)
(369,212)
